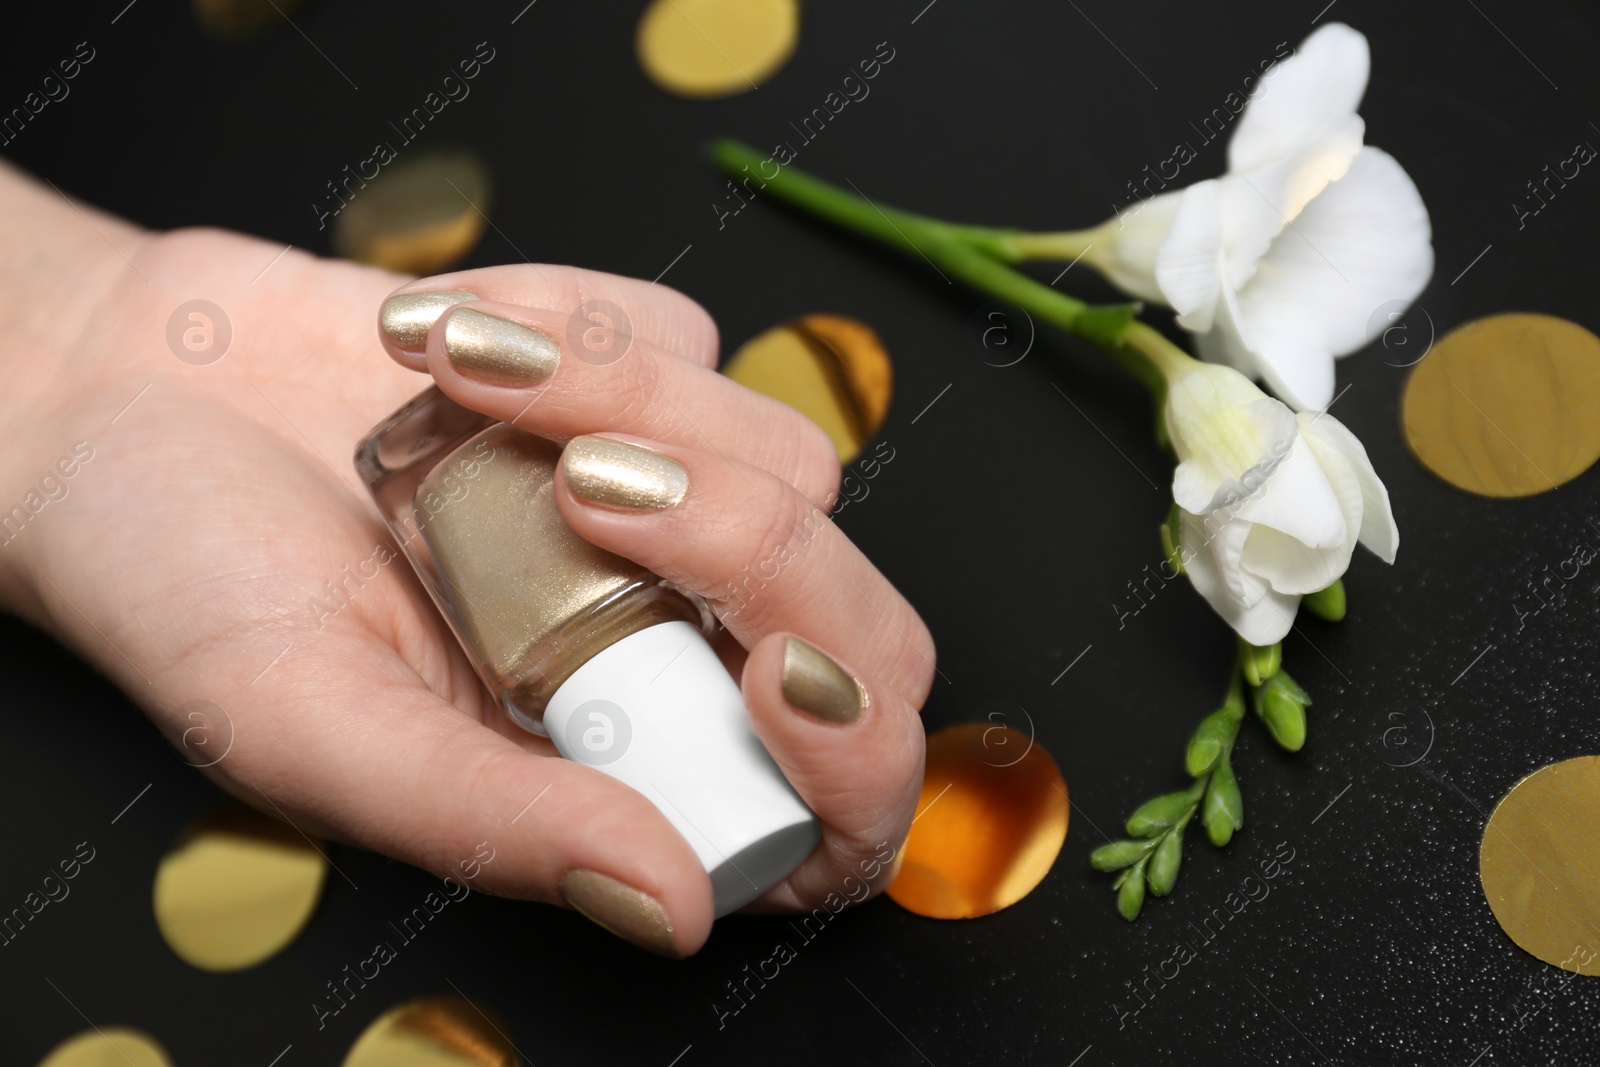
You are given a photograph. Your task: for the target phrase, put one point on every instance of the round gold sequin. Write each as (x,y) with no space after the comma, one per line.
(833,369)
(420,215)
(109,1046)
(434,1032)
(1506,406)
(1540,864)
(710,48)
(990,823)
(236,889)
(237,21)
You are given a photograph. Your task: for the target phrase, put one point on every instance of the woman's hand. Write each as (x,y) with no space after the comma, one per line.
(216,547)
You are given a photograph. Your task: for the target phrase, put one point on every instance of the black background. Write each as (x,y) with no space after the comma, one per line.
(1010,517)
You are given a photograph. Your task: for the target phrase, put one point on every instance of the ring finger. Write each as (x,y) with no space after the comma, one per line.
(764,556)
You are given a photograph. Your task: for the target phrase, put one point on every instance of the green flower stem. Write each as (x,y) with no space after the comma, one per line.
(1064,245)
(974,255)
(892,226)
(1234,701)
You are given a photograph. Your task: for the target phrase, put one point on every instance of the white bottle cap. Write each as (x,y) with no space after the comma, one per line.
(658,711)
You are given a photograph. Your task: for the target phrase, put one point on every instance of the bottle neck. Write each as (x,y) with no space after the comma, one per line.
(527,689)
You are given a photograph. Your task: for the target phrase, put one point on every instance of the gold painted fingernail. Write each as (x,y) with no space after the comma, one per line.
(619,475)
(815,684)
(408,317)
(497,351)
(631,915)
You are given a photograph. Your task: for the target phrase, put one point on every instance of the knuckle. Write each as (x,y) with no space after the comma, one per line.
(817,463)
(679,317)
(624,395)
(672,320)
(769,534)
(635,391)
(697,330)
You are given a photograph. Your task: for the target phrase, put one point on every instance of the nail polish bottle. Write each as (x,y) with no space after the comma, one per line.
(582,646)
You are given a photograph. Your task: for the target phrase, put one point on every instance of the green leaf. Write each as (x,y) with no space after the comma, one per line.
(1211,739)
(1327,604)
(1130,898)
(1223,809)
(1259,662)
(1164,863)
(1156,815)
(1118,854)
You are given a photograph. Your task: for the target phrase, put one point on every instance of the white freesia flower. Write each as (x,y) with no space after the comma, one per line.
(1272,503)
(1281,264)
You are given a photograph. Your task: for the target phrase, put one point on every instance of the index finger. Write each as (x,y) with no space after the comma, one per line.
(654,313)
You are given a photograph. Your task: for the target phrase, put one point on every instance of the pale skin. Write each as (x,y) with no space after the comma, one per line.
(182,559)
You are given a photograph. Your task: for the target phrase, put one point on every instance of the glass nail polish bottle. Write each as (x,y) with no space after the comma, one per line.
(582,646)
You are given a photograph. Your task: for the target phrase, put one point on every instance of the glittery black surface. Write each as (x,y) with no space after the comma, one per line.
(1012,518)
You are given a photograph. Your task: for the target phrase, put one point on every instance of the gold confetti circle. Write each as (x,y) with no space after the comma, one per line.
(991,820)
(111,1046)
(710,48)
(236,889)
(420,215)
(434,1032)
(1540,864)
(1506,406)
(831,368)
(237,21)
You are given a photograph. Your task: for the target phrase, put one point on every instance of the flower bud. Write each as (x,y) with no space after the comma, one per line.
(1281,706)
(1260,662)
(1156,815)
(1327,604)
(1118,854)
(1210,740)
(1223,809)
(1285,718)
(1130,895)
(1165,861)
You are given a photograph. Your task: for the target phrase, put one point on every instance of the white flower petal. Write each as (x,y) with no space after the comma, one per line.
(1194,487)
(1282,352)
(1258,204)
(1222,428)
(1218,541)
(1323,285)
(1196,398)
(1189,263)
(1378,530)
(1298,501)
(1226,347)
(1362,243)
(1288,564)
(1302,98)
(1274,347)
(1129,260)
(1262,620)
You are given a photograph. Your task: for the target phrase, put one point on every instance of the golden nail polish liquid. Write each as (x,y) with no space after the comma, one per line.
(582,646)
